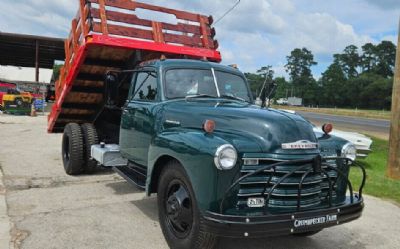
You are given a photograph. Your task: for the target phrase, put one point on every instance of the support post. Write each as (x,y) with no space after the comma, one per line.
(393,170)
(37,62)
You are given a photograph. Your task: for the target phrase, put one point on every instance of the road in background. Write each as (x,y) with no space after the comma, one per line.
(374,127)
(48,209)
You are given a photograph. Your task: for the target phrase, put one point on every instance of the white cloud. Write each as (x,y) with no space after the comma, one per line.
(254,34)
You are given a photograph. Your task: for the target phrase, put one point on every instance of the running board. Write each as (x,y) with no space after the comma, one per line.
(132,176)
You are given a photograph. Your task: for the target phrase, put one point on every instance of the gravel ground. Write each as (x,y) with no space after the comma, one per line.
(48,209)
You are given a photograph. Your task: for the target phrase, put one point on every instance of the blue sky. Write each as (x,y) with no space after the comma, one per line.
(255,34)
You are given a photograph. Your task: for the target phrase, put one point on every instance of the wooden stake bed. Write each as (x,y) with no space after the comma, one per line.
(108,35)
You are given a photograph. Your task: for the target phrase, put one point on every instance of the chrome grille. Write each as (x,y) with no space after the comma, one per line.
(314,191)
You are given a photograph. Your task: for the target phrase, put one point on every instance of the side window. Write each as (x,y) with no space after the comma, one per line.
(145,87)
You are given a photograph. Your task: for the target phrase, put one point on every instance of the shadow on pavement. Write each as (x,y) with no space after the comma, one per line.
(123,188)
(148,206)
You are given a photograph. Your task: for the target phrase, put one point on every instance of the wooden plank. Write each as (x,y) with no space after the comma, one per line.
(116,64)
(134,20)
(125,31)
(99,70)
(194,41)
(393,169)
(129,5)
(103,17)
(87,98)
(86,83)
(83,17)
(157,32)
(205,40)
(75,39)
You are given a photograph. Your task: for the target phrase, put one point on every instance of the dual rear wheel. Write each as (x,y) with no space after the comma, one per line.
(76,148)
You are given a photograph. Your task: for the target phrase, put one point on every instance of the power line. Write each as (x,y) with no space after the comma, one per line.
(227,12)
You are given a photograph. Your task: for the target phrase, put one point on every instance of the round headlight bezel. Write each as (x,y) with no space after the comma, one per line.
(349,151)
(218,157)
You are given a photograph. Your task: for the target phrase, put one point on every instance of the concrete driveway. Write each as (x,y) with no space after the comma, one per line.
(48,209)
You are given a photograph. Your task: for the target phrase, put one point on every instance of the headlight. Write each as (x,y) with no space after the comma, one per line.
(349,151)
(225,157)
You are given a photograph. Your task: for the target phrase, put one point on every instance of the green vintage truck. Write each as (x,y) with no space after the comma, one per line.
(186,128)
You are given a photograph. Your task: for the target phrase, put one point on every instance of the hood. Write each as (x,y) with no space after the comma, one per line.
(248,127)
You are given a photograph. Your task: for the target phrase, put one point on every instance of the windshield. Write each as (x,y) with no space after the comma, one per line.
(183,83)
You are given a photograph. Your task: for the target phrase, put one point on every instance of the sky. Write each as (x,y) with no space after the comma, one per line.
(255,34)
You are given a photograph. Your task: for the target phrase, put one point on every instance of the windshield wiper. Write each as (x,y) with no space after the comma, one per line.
(200,96)
(232,97)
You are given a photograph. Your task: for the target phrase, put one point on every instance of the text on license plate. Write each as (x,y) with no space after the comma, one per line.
(329,218)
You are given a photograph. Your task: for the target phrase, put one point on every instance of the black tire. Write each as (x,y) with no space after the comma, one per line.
(19,102)
(72,149)
(184,235)
(90,138)
(306,234)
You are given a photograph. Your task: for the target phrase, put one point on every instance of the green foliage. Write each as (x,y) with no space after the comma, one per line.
(56,71)
(357,78)
(349,60)
(299,66)
(265,75)
(282,90)
(377,183)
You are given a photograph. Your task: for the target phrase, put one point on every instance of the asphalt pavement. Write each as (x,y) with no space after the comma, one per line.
(376,127)
(45,208)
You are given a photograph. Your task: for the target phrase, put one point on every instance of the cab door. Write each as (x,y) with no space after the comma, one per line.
(138,119)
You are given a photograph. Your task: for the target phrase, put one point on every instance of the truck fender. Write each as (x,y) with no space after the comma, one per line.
(195,151)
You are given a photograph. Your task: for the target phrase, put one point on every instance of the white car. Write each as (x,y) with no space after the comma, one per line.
(362,142)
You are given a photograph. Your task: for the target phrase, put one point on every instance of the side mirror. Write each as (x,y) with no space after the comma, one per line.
(111,88)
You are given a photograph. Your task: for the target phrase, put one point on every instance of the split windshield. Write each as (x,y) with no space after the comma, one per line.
(185,83)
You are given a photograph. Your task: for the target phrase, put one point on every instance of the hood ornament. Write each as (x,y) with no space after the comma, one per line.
(300,145)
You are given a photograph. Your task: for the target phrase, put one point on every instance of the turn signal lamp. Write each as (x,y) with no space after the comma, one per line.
(327,128)
(209,126)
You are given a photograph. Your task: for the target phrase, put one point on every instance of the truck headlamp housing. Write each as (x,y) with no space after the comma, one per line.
(349,151)
(225,157)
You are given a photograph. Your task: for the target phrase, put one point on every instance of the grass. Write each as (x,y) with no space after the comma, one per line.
(378,184)
(378,114)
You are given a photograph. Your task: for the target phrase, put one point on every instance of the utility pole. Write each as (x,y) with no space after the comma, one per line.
(393,170)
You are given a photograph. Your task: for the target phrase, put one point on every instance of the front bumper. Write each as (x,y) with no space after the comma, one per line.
(282,224)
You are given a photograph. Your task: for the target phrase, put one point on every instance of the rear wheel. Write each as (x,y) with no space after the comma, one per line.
(72,149)
(90,138)
(180,219)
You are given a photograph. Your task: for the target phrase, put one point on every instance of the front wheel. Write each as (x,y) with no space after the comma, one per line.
(180,219)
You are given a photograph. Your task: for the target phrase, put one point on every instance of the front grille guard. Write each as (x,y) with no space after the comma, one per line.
(316,166)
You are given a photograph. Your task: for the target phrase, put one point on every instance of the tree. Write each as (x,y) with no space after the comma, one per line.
(266,72)
(299,66)
(333,84)
(368,58)
(349,60)
(386,56)
(56,71)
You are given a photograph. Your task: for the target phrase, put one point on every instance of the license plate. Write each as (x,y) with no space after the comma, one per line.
(315,221)
(255,202)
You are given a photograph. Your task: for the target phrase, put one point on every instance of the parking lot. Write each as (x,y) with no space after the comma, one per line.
(45,208)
